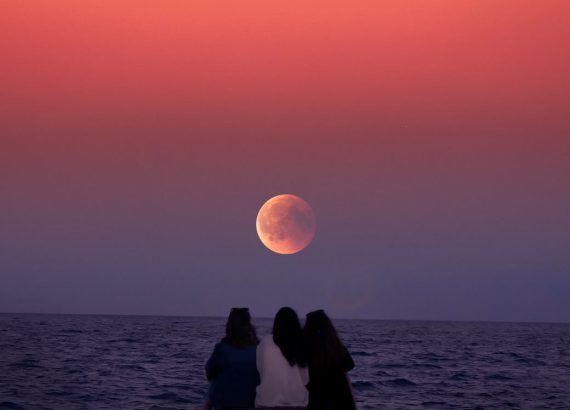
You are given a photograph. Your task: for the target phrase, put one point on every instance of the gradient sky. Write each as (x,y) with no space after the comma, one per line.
(138,140)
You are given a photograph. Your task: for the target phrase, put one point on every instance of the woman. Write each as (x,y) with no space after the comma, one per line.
(329,361)
(231,369)
(282,365)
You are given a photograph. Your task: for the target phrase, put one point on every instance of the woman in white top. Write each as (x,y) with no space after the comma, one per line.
(281,364)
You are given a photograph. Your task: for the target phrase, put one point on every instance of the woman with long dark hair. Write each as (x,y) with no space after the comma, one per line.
(282,364)
(329,362)
(231,369)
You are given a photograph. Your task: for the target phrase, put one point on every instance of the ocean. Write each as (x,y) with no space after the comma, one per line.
(145,362)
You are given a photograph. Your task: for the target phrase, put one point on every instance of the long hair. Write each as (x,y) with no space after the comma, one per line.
(287,336)
(239,330)
(324,347)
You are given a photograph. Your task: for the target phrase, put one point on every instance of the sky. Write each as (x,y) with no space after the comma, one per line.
(138,140)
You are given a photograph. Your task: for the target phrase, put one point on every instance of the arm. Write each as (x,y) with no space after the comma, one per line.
(213,364)
(304,371)
(263,355)
(347,362)
(259,358)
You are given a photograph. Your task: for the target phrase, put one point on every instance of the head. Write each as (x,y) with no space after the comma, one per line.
(324,347)
(239,330)
(287,335)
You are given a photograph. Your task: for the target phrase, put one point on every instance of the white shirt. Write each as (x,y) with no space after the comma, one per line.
(281,384)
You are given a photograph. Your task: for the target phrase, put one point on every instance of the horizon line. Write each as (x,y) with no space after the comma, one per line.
(269,317)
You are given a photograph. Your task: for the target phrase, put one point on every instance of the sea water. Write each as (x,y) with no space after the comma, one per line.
(143,362)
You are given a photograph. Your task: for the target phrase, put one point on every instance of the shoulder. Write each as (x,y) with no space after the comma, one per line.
(266,340)
(267,345)
(264,343)
(221,347)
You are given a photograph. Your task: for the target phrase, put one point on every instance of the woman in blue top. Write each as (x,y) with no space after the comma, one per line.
(231,369)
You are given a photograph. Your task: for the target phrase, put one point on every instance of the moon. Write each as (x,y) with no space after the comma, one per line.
(286,224)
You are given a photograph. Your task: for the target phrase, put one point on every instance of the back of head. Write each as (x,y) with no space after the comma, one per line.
(239,330)
(324,348)
(287,335)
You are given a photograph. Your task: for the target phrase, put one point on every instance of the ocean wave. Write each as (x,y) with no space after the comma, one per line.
(170,397)
(26,364)
(401,382)
(362,353)
(362,385)
(10,405)
(129,363)
(498,376)
(434,403)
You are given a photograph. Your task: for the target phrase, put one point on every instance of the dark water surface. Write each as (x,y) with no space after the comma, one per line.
(137,362)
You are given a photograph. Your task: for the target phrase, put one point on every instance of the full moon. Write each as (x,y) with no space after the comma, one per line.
(286,224)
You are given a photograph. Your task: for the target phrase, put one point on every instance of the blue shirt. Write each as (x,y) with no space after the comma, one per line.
(233,376)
